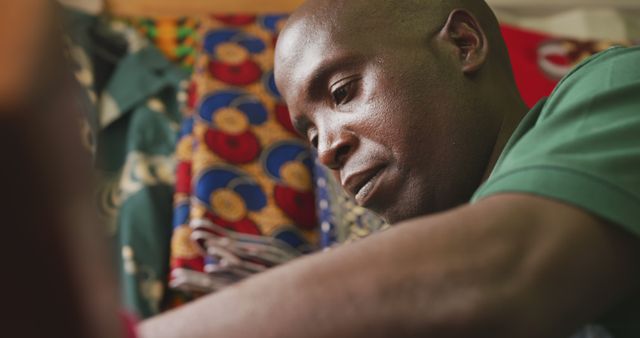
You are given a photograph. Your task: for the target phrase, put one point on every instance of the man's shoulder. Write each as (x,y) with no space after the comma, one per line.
(581,145)
(613,55)
(613,69)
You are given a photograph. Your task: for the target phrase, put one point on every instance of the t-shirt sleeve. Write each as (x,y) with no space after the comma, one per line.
(584,148)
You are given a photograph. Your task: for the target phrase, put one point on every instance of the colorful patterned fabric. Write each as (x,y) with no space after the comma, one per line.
(242,170)
(131,128)
(341,219)
(177,38)
(540,60)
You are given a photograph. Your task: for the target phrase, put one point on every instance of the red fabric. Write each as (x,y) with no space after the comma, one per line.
(237,149)
(242,74)
(282,115)
(523,46)
(183,177)
(244,226)
(129,322)
(195,264)
(299,205)
(236,19)
(540,60)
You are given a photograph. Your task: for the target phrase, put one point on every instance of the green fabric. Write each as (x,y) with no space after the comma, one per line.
(134,114)
(582,144)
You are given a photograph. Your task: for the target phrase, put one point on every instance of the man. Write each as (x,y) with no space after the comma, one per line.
(413,106)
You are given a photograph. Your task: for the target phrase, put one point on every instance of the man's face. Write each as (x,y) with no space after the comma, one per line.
(389,113)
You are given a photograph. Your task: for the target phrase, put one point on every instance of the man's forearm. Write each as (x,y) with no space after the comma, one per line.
(464,273)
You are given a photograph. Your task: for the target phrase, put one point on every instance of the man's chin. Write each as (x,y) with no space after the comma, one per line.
(394,215)
(391,201)
(403,211)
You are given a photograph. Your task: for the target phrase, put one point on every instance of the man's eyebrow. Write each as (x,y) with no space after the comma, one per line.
(317,83)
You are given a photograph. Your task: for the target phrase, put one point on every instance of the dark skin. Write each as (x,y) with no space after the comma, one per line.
(400,104)
(421,96)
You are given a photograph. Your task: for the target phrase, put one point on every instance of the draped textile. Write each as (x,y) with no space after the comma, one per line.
(242,172)
(132,117)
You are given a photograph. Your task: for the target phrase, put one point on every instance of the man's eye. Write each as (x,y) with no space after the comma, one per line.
(314,141)
(341,95)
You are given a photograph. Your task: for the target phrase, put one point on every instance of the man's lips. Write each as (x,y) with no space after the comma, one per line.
(361,184)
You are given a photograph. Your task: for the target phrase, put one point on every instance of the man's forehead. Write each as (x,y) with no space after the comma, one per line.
(319,26)
(297,53)
(306,47)
(322,31)
(339,18)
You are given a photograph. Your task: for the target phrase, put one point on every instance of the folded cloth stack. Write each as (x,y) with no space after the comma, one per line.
(229,257)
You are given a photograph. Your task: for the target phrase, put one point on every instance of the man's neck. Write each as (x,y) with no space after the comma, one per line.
(513,114)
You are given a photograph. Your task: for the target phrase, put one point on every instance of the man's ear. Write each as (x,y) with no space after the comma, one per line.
(465,33)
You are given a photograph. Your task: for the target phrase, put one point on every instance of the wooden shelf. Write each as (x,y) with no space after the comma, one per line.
(199,7)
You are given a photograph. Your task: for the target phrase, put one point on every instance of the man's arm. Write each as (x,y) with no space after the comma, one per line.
(508,266)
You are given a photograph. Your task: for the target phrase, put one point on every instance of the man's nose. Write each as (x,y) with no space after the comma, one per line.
(334,151)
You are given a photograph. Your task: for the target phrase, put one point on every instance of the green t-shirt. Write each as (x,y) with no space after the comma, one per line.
(582,146)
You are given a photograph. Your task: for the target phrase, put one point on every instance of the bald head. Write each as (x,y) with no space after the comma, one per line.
(380,20)
(412,93)
(402,14)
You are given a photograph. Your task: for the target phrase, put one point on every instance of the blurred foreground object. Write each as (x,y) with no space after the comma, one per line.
(21,41)
(56,280)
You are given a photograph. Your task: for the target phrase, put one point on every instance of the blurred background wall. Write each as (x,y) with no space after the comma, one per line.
(580,19)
